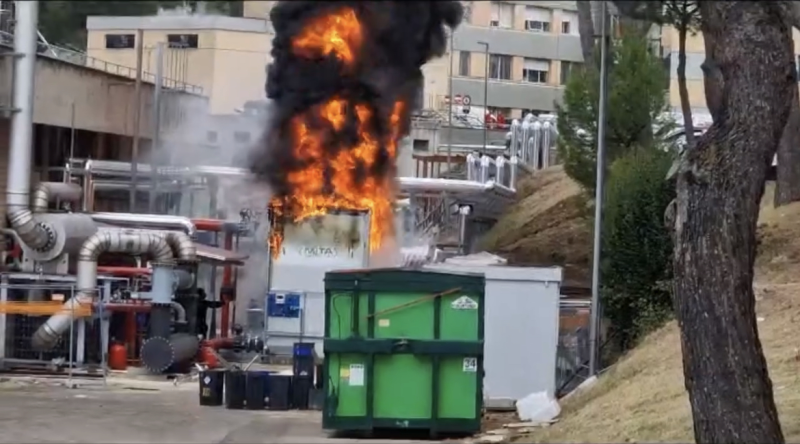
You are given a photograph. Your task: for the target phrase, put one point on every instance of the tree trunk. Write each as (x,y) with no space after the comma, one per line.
(683,90)
(787,185)
(720,185)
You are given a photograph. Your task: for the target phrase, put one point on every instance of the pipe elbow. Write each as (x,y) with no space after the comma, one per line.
(47,192)
(44,338)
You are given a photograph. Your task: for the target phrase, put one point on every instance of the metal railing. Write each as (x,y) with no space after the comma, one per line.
(25,307)
(82,59)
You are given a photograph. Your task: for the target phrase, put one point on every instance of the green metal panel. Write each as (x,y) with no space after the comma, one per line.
(399,356)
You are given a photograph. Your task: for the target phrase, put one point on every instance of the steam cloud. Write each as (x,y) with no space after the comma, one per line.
(398,38)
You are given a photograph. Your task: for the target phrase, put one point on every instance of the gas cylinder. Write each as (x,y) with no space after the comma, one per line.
(208,357)
(118,356)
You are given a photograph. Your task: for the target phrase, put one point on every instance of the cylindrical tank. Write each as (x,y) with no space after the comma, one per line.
(160,353)
(118,356)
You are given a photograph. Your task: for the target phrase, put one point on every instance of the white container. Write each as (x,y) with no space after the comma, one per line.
(520,330)
(310,249)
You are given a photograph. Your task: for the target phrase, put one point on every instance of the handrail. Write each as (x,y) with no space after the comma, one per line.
(80,58)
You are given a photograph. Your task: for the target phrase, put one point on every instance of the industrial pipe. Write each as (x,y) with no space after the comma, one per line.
(47,192)
(152,221)
(29,230)
(117,241)
(159,353)
(178,311)
(123,271)
(181,244)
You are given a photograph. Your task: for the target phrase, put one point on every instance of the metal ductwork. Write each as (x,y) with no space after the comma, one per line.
(151,221)
(182,245)
(117,241)
(47,192)
(18,187)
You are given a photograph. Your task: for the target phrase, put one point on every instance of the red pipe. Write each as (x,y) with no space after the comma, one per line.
(123,271)
(218,343)
(134,307)
(227,280)
(208,224)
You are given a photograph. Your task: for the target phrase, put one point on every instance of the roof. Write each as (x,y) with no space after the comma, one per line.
(178,23)
(219,256)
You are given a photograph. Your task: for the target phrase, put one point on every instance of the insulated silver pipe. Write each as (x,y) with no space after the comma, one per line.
(118,241)
(47,192)
(18,185)
(152,221)
(181,244)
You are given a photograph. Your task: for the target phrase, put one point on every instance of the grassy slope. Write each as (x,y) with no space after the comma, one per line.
(642,398)
(548,226)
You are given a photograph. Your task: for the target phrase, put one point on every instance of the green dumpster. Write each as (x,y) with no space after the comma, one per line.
(403,349)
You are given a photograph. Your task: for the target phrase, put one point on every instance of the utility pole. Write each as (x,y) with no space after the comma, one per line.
(154,150)
(594,351)
(450,106)
(485,96)
(137,116)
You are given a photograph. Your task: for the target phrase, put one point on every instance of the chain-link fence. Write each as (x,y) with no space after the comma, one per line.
(573,351)
(43,330)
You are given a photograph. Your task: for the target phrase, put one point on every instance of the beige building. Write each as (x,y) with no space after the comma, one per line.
(225,56)
(531,47)
(695,55)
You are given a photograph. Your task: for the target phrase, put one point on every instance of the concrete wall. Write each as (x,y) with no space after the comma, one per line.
(229,62)
(102,102)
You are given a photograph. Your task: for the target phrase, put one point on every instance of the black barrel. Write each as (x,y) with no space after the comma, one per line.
(235,389)
(256,390)
(212,383)
(280,387)
(303,359)
(301,390)
(319,376)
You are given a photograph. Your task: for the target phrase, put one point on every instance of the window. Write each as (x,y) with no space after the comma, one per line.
(241,137)
(212,137)
(463,63)
(182,40)
(568,18)
(499,67)
(502,15)
(566,71)
(537,19)
(535,70)
(420,145)
(120,41)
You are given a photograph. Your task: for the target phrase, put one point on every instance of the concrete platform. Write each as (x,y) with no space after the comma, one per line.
(47,411)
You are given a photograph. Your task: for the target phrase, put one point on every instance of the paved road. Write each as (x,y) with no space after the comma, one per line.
(35,412)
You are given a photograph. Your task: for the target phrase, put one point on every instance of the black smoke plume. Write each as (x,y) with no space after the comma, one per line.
(398,38)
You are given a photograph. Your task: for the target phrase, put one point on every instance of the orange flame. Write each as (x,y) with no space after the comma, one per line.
(331,182)
(338,34)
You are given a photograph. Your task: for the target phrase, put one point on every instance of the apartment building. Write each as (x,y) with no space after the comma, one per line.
(225,56)
(531,47)
(695,55)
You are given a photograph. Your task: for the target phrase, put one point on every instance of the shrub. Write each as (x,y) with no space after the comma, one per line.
(637,248)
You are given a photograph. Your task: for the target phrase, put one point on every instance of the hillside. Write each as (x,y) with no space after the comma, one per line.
(642,398)
(547,226)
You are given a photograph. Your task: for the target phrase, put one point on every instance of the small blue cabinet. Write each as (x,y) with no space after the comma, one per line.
(284,305)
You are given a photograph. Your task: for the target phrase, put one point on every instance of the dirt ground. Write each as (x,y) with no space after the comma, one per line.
(643,397)
(36,411)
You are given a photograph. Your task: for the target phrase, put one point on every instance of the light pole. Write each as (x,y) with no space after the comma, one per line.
(598,196)
(485,94)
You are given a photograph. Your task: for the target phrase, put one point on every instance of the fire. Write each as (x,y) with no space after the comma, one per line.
(339,34)
(339,181)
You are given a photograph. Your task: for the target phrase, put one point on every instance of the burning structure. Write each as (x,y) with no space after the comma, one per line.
(343,83)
